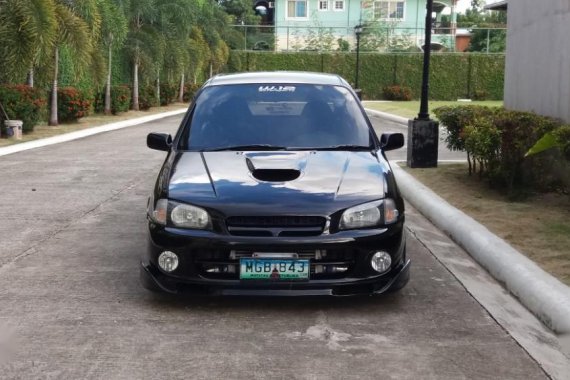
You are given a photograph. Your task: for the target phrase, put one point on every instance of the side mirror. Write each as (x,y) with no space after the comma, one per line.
(159,141)
(391,141)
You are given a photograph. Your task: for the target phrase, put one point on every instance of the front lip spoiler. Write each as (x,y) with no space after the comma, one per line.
(396,282)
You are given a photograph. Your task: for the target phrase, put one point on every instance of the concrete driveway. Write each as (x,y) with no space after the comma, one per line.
(72,227)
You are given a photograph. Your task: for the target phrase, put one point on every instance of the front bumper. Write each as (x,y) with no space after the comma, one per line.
(354,247)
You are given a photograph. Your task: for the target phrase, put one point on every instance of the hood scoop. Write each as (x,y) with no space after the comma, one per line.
(276,175)
(273,168)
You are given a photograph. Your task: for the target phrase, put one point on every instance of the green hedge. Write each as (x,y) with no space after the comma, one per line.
(452,76)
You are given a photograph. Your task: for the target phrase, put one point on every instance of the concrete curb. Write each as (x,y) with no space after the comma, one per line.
(387,116)
(542,294)
(86,132)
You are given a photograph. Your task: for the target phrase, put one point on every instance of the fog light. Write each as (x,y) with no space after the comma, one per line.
(168,261)
(381,261)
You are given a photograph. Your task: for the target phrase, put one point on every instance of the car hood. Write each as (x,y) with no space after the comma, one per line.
(256,183)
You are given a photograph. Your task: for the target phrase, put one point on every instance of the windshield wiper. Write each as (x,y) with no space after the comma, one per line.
(247,147)
(342,147)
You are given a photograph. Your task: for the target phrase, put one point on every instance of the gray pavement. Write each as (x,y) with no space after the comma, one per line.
(72,227)
(382,125)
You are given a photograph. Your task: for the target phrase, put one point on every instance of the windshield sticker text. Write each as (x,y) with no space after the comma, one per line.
(276,88)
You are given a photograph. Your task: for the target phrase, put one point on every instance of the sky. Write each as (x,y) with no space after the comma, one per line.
(463,5)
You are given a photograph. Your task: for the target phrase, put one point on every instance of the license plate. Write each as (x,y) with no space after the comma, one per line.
(272,269)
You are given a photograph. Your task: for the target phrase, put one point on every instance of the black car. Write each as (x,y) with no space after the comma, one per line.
(276,184)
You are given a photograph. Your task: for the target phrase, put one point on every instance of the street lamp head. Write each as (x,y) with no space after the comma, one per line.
(358,29)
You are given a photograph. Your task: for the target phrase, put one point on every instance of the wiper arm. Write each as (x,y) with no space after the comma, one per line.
(247,147)
(344,147)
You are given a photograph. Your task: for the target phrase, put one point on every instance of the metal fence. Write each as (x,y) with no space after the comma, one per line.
(380,39)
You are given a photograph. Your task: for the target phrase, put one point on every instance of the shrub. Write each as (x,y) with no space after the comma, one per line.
(480,95)
(483,142)
(497,140)
(147,97)
(562,136)
(190,90)
(120,99)
(519,132)
(398,93)
(72,104)
(167,93)
(24,103)
(455,119)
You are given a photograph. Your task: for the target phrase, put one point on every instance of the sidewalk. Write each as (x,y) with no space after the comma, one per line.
(10,149)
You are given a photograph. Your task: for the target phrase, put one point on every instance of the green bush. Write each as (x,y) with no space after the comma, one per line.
(562,135)
(190,90)
(519,132)
(452,76)
(455,119)
(22,103)
(120,99)
(167,93)
(497,141)
(483,142)
(147,97)
(72,104)
(398,93)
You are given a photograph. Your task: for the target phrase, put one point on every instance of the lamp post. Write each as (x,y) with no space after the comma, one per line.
(423,133)
(358,32)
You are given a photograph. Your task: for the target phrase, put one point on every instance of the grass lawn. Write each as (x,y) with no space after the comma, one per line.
(538,227)
(43,130)
(411,109)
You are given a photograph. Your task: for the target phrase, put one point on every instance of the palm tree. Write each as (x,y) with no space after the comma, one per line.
(28,29)
(142,39)
(114,30)
(74,32)
(175,21)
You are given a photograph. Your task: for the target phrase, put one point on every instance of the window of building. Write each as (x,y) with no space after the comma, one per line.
(323,5)
(297,9)
(339,5)
(389,10)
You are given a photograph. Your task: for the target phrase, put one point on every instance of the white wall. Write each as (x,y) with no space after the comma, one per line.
(537,74)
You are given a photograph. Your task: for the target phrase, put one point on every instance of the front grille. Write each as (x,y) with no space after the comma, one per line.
(283,226)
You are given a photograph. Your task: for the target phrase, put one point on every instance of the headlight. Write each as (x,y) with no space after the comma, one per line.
(181,215)
(369,215)
(187,216)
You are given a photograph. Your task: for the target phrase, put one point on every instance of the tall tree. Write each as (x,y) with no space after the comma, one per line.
(176,19)
(74,32)
(142,39)
(114,30)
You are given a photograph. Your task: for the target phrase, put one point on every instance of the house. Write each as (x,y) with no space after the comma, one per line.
(396,24)
(537,75)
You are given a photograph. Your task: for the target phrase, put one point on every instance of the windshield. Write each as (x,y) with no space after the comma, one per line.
(274,116)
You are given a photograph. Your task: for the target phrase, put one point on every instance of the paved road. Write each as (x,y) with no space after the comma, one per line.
(72,226)
(382,125)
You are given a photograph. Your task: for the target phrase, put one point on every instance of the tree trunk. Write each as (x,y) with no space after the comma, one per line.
(53,98)
(158,88)
(30,78)
(181,91)
(211,69)
(136,87)
(108,109)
